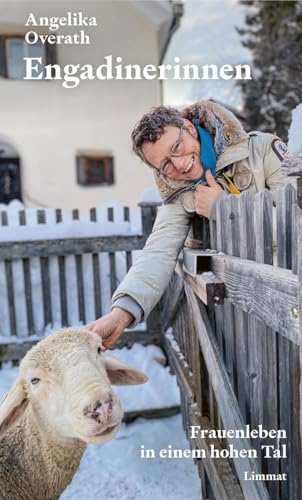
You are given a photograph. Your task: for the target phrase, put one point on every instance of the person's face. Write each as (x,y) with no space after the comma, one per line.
(177,153)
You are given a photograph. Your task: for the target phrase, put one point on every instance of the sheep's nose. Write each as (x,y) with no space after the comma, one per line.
(100,410)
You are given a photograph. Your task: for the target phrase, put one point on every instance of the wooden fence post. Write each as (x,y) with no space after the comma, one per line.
(149,211)
(293,166)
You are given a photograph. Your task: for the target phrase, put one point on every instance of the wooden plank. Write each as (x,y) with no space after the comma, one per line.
(171,302)
(241,359)
(209,290)
(112,263)
(75,214)
(256,331)
(299,247)
(16,350)
(181,368)
(285,408)
(262,345)
(264,226)
(219,328)
(142,337)
(164,411)
(148,214)
(45,276)
(97,285)
(128,254)
(41,216)
(69,246)
(246,226)
(96,273)
(267,291)
(270,401)
(223,481)
(28,295)
(299,192)
(147,222)
(227,403)
(58,215)
(213,233)
(27,282)
(4,218)
(230,343)
(285,199)
(295,457)
(80,288)
(193,353)
(224,214)
(294,240)
(63,291)
(11,297)
(243,235)
(218,225)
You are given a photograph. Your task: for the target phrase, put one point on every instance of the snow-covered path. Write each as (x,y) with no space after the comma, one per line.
(116,471)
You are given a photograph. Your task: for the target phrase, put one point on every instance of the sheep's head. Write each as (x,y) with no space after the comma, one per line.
(66,378)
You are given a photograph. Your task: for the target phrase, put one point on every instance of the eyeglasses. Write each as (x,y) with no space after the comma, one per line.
(167,168)
(177,149)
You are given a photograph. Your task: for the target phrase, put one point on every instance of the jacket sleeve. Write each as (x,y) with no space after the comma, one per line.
(274,155)
(149,276)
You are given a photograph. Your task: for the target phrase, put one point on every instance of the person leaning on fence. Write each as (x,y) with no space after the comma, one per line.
(197,155)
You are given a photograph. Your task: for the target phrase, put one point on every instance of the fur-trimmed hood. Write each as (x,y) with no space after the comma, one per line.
(225,128)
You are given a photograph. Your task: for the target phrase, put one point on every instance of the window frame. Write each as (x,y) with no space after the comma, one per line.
(49,55)
(82,165)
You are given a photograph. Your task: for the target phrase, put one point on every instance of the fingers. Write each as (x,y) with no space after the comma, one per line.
(100,327)
(210,179)
(110,340)
(111,326)
(201,188)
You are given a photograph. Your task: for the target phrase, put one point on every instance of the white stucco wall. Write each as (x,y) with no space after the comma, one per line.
(49,124)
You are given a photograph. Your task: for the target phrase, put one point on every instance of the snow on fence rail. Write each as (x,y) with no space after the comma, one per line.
(60,268)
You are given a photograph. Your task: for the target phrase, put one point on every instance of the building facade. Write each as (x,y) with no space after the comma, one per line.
(70,147)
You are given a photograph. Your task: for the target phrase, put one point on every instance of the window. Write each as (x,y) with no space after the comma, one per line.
(13,49)
(10,186)
(95,170)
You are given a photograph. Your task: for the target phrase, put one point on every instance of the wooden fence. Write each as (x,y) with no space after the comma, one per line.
(60,269)
(235,343)
(235,338)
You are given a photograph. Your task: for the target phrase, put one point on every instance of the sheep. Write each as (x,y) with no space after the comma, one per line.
(61,401)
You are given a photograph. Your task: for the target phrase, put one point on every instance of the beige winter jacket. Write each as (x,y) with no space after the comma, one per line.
(252,161)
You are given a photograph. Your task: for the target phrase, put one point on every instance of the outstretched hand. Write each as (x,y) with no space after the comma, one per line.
(111,326)
(206,196)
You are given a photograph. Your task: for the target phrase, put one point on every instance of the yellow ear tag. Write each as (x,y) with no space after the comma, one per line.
(231,185)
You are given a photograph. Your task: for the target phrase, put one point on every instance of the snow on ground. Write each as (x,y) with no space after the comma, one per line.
(160,390)
(115,470)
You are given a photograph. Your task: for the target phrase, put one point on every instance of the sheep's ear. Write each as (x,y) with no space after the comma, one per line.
(121,374)
(13,405)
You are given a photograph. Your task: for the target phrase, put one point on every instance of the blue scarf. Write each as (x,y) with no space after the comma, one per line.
(207,153)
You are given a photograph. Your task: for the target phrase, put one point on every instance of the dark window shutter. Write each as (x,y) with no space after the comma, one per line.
(51,53)
(3,71)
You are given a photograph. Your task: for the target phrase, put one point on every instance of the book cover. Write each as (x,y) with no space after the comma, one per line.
(150,202)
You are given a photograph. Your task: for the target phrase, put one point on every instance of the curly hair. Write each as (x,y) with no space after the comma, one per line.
(152,125)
